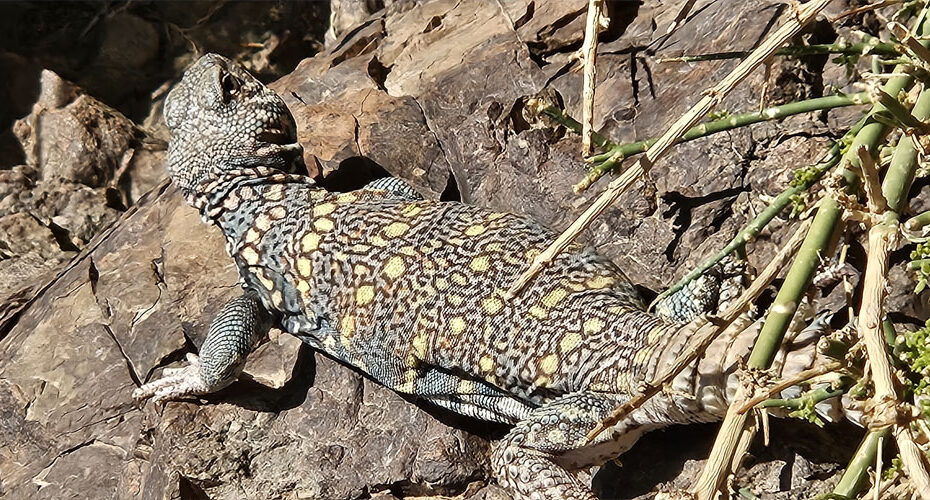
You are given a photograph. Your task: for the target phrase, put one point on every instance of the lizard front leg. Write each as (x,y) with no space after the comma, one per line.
(235,331)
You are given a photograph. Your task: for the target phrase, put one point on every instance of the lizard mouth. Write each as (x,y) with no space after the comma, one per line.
(275,136)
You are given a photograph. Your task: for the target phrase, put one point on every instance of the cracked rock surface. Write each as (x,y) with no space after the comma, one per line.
(431,91)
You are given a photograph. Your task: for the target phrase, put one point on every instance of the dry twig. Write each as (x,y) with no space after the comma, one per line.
(589,56)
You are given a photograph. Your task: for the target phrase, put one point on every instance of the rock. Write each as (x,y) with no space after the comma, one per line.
(83,171)
(121,53)
(97,135)
(432,92)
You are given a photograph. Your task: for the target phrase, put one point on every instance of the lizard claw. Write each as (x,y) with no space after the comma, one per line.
(176,382)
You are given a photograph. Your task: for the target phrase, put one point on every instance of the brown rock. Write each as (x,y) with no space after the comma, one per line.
(423,91)
(73,137)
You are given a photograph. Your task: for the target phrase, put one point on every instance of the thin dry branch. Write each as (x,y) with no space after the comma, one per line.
(873,185)
(907,39)
(885,405)
(680,17)
(589,56)
(711,99)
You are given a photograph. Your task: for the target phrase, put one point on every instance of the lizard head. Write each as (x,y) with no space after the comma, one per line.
(222,118)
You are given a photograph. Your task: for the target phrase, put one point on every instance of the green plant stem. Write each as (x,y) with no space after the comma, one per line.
(572,124)
(874,46)
(818,238)
(856,476)
(799,276)
(617,152)
(918,221)
(903,166)
(917,264)
(815,396)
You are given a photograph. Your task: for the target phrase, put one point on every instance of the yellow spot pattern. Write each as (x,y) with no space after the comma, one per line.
(263,223)
(346,197)
(275,193)
(252,235)
(396,229)
(394,267)
(364,295)
(411,211)
(457,325)
(593,325)
(305,267)
(492,305)
(486,363)
(310,242)
(549,364)
(323,225)
(480,264)
(569,341)
(347,326)
(475,230)
(323,209)
(250,256)
(278,213)
(538,312)
(553,298)
(600,282)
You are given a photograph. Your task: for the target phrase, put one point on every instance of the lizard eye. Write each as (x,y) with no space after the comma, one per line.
(230,85)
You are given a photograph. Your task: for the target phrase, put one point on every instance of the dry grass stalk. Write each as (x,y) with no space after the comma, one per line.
(885,401)
(711,99)
(907,39)
(589,56)
(871,182)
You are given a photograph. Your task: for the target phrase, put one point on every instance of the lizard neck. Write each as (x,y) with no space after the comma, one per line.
(219,197)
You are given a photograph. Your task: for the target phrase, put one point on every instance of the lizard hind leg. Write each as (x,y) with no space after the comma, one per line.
(469,396)
(533,459)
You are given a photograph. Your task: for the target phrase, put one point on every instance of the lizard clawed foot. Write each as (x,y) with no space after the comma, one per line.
(175,383)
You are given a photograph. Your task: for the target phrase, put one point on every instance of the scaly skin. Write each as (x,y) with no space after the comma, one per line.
(410,291)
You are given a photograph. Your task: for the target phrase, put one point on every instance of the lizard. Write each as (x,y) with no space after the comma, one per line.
(411,292)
